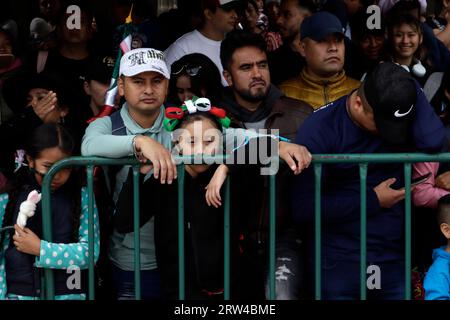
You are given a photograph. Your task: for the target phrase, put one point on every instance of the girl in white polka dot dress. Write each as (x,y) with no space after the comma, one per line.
(23,255)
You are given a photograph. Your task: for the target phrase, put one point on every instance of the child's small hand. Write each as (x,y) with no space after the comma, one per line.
(214,186)
(26,241)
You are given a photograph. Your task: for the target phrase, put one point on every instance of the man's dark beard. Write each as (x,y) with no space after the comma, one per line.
(246,95)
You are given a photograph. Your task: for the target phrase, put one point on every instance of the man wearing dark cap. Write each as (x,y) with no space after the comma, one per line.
(323,79)
(218,18)
(387,113)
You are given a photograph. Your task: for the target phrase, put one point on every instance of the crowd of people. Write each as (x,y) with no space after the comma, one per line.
(293,77)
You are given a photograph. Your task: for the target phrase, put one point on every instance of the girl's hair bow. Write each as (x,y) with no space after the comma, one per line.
(174,115)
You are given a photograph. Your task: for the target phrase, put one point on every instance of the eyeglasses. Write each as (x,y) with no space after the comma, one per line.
(191,70)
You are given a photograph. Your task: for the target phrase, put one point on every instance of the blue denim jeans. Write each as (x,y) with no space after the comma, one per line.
(123,282)
(341,280)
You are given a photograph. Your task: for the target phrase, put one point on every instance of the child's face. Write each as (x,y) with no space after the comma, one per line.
(200,137)
(43,163)
(145,93)
(35,95)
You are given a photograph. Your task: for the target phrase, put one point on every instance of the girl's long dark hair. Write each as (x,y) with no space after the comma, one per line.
(46,136)
(207,79)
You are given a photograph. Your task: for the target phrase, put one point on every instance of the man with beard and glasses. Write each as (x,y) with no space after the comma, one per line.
(252,102)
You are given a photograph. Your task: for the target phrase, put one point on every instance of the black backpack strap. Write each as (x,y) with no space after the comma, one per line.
(118,126)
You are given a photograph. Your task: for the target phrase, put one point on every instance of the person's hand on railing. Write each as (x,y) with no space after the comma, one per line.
(388,196)
(296,156)
(213,188)
(443,181)
(164,167)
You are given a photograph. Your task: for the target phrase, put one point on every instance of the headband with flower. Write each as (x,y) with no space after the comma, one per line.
(175,114)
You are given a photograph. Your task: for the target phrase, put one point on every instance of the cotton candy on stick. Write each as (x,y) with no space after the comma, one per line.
(28,208)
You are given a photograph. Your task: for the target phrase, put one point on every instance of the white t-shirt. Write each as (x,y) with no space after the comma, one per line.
(195,42)
(386,5)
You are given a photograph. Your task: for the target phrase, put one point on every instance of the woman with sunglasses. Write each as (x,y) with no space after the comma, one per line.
(194,74)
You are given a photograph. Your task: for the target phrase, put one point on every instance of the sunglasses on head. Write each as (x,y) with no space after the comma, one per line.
(191,70)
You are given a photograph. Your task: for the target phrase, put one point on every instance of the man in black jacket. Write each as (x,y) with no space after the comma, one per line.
(252,102)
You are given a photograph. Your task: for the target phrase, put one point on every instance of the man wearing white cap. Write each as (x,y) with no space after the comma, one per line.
(136,129)
(144,80)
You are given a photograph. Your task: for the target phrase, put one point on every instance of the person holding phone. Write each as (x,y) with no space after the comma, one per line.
(387,113)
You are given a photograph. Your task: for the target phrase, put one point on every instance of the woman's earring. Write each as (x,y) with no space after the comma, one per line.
(61,120)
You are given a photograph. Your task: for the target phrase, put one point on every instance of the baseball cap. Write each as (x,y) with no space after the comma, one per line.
(319,25)
(226,5)
(101,69)
(142,60)
(392,94)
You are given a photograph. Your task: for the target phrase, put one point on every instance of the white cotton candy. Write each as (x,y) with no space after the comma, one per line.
(28,208)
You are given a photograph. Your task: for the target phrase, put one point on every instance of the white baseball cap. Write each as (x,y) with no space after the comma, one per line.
(141,60)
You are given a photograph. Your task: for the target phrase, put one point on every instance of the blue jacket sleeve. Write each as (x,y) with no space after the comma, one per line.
(337,205)
(428,130)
